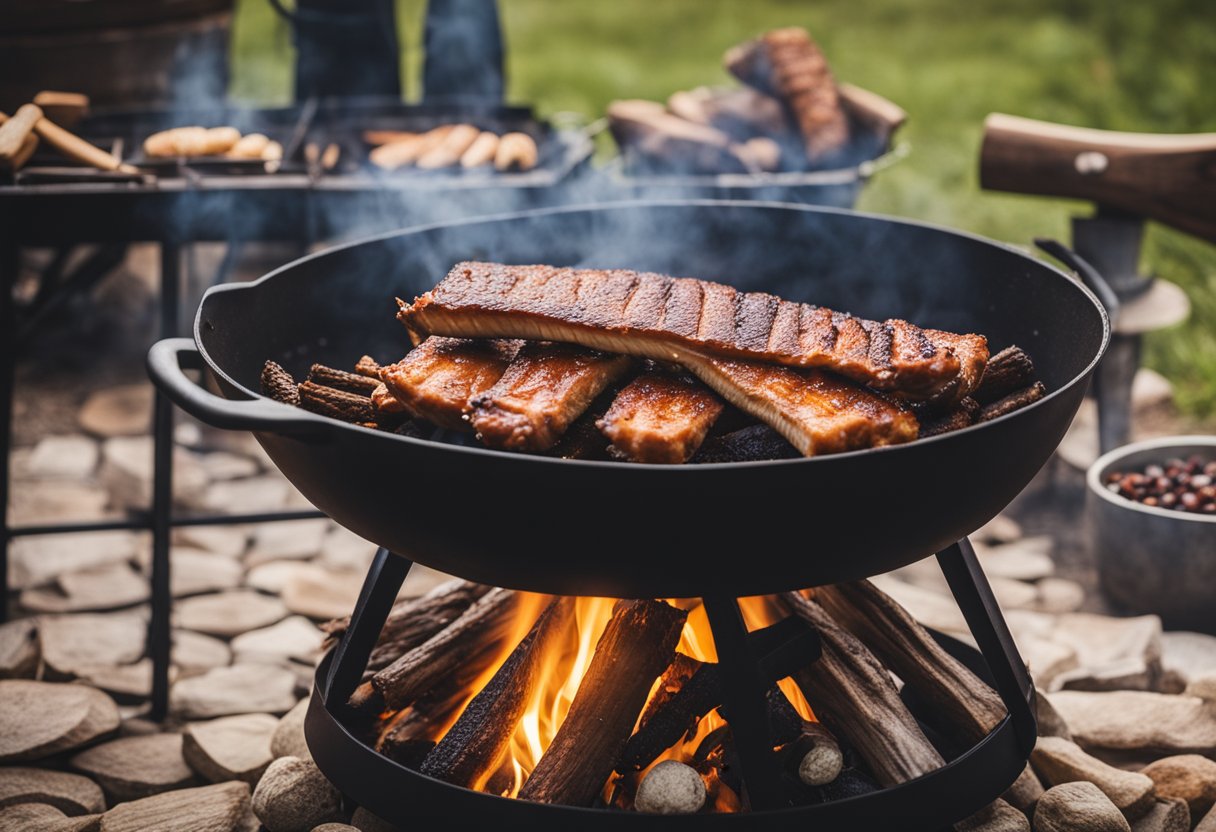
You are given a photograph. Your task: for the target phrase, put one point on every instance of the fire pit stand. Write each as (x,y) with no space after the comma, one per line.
(961,787)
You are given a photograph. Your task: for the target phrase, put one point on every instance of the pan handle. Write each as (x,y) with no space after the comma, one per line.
(1090,276)
(167,361)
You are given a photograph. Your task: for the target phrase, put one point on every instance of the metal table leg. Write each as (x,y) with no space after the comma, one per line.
(8,360)
(744,688)
(159,626)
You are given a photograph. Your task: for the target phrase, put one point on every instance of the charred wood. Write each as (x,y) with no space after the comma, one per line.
(337,404)
(1014,401)
(342,380)
(278,384)
(472,638)
(472,749)
(854,696)
(969,708)
(412,621)
(636,646)
(1009,370)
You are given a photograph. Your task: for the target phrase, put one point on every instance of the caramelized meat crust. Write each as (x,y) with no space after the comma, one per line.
(437,378)
(541,393)
(660,418)
(664,318)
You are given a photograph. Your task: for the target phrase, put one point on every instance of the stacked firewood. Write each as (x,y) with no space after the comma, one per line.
(790,115)
(615,746)
(358,398)
(1008,384)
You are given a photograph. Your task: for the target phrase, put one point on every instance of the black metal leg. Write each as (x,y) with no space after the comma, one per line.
(983,614)
(8,362)
(376,599)
(1112,389)
(160,635)
(744,689)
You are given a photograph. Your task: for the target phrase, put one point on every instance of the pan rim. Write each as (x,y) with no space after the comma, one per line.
(600,465)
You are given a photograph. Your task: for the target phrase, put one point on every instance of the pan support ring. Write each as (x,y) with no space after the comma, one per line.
(747,677)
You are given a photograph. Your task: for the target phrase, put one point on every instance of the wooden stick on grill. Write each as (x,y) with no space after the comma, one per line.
(635,647)
(472,749)
(853,693)
(969,708)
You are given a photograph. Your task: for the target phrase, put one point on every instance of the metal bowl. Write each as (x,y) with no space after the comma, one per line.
(1154,560)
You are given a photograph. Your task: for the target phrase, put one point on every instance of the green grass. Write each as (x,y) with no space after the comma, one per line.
(1123,66)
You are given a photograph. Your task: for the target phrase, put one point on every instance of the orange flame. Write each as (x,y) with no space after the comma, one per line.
(562,672)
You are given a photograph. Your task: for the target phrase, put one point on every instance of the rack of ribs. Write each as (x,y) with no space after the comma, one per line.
(668,319)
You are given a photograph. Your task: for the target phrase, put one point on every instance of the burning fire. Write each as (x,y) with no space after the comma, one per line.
(563,669)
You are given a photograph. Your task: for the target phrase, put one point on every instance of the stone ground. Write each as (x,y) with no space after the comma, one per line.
(76,751)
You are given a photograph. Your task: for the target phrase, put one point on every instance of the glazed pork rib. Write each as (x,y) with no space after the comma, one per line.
(665,319)
(659,418)
(437,378)
(541,393)
(817,412)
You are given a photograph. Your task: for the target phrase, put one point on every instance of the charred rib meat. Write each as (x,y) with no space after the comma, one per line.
(540,394)
(438,377)
(664,318)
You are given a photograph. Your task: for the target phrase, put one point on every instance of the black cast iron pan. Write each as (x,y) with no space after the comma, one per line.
(574,527)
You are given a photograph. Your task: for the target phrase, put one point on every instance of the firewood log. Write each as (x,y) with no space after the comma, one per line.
(471,750)
(969,708)
(635,647)
(412,621)
(471,638)
(852,693)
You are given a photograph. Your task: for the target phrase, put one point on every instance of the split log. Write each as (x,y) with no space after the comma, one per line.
(855,697)
(475,635)
(410,734)
(809,749)
(1009,370)
(969,708)
(671,717)
(412,621)
(472,749)
(635,647)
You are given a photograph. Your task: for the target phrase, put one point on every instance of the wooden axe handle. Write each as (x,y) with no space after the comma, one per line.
(1169,178)
(13,131)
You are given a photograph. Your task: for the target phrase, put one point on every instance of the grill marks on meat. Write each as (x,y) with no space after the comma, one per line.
(665,318)
(818,413)
(541,393)
(437,378)
(660,418)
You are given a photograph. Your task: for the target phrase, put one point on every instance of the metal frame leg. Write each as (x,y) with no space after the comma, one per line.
(8,370)
(160,634)
(744,688)
(376,598)
(983,615)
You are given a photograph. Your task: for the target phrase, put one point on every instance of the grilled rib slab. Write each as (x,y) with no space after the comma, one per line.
(659,418)
(663,318)
(818,413)
(542,392)
(437,378)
